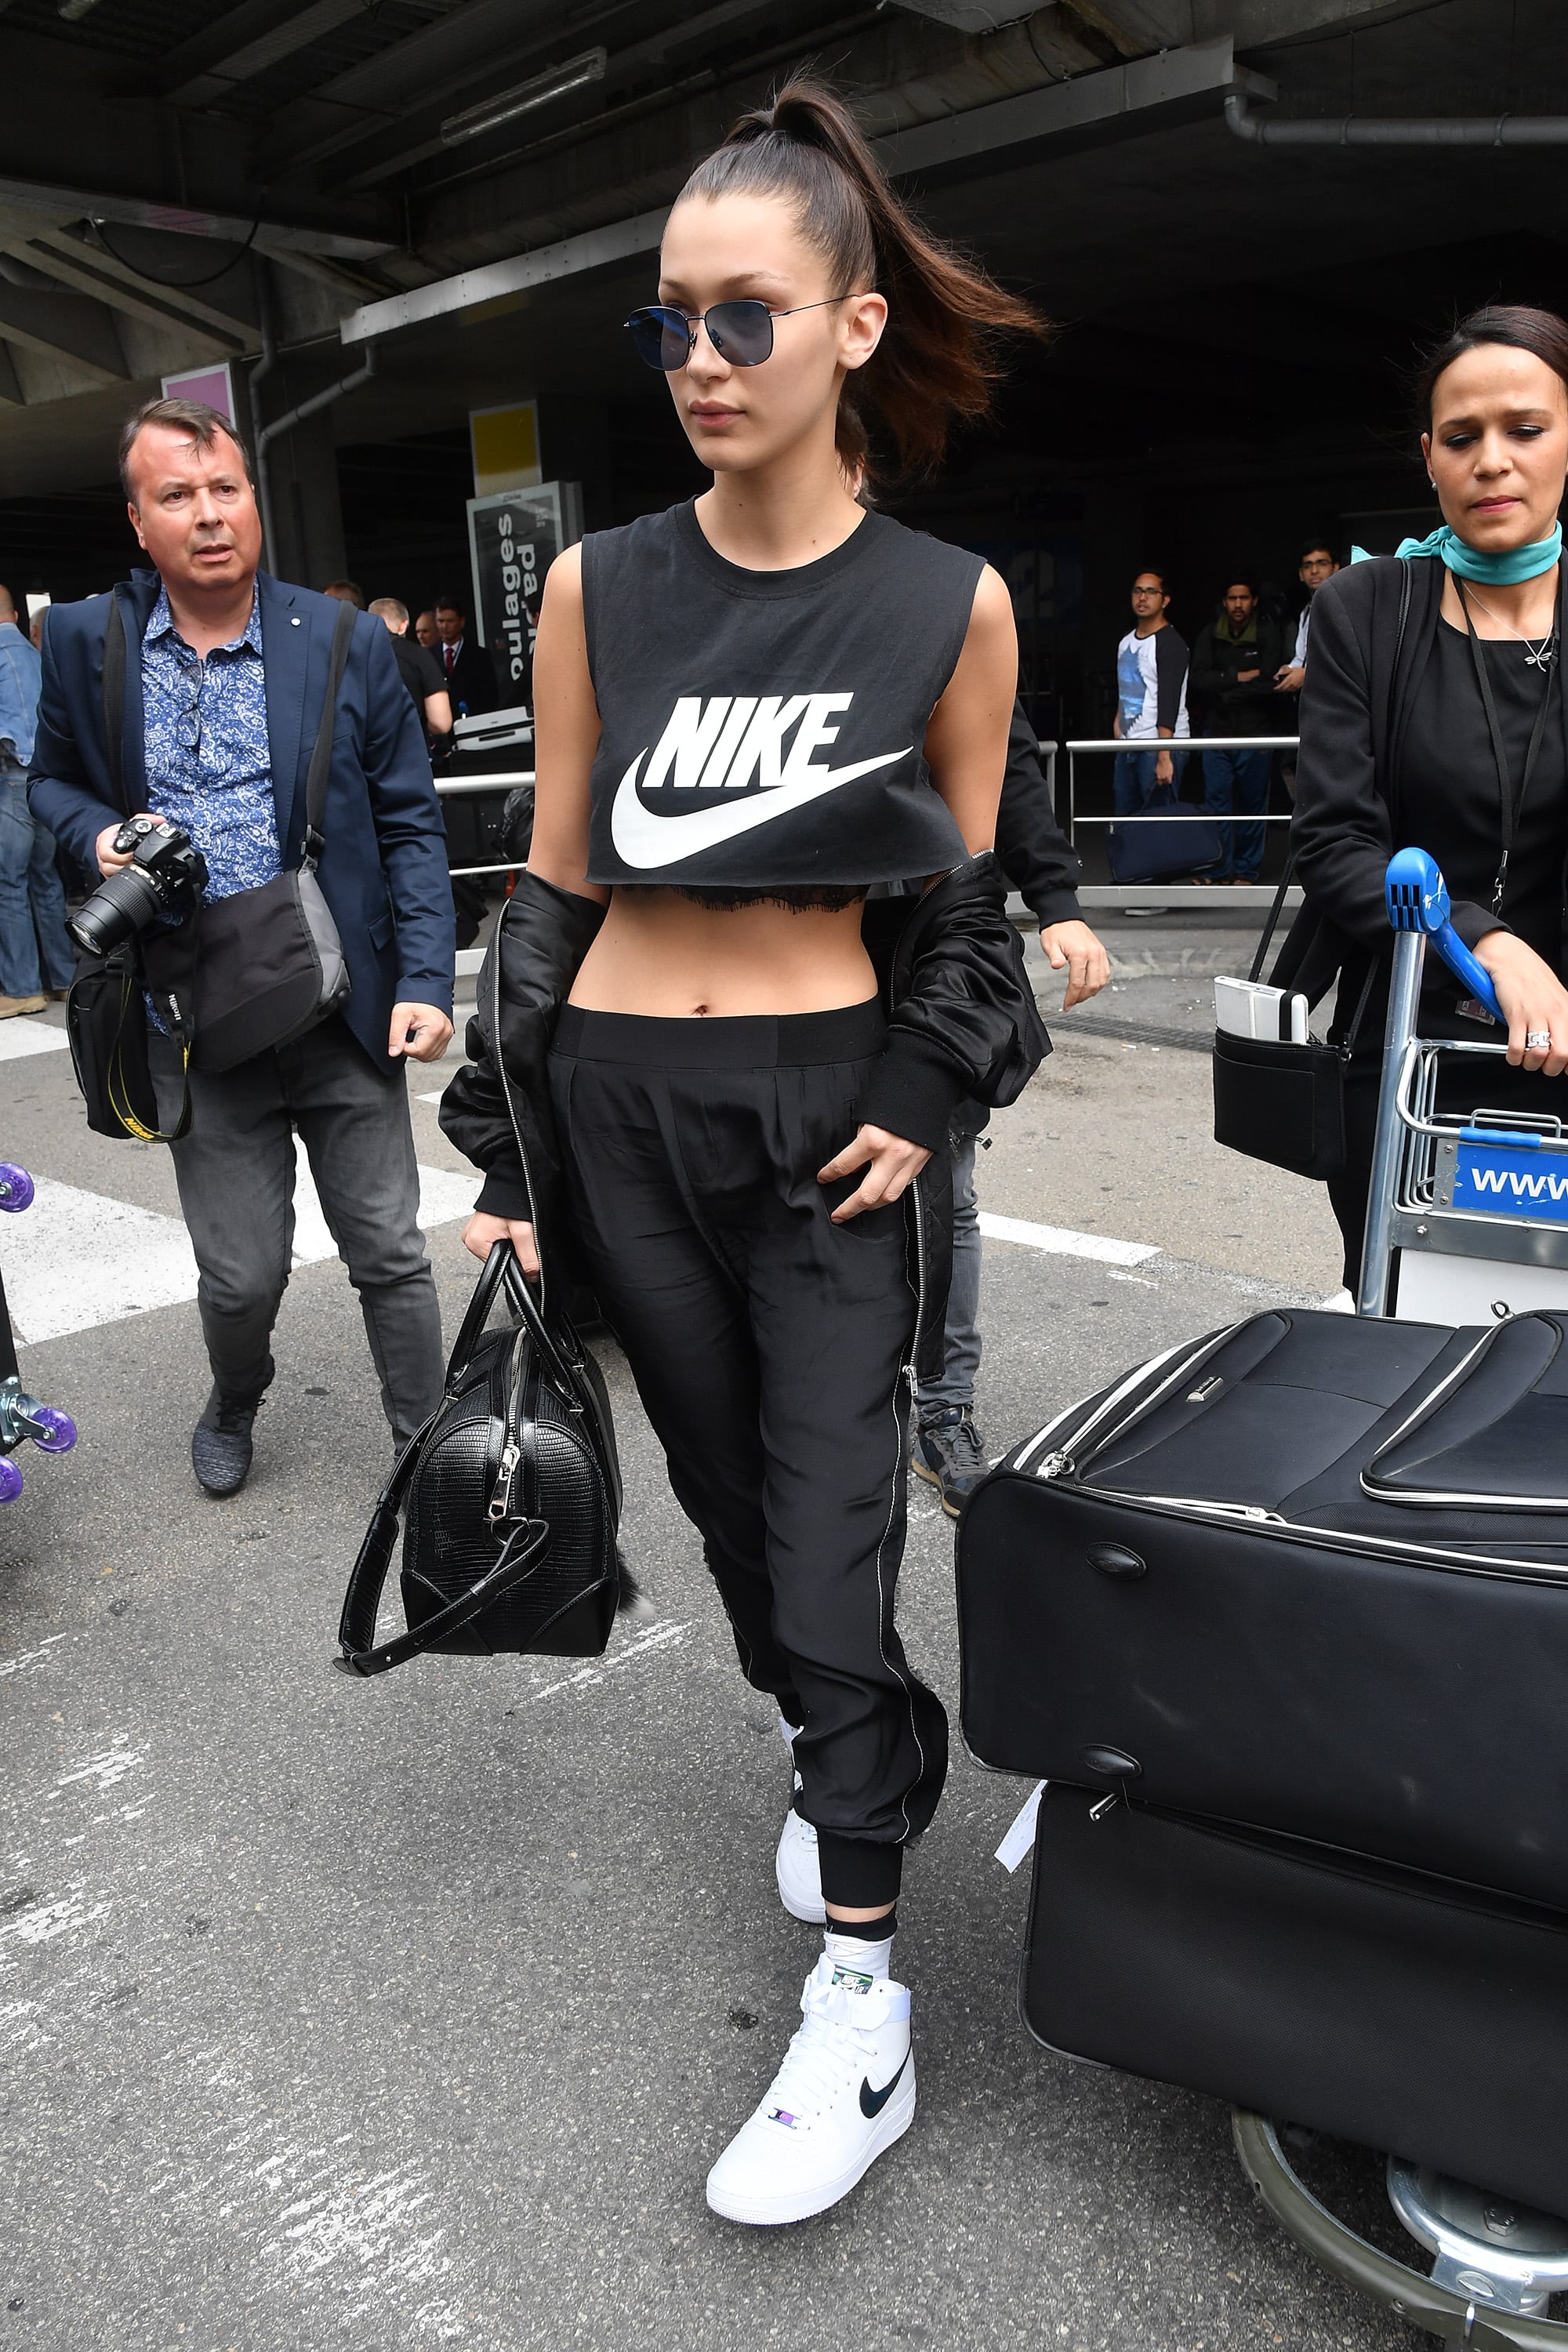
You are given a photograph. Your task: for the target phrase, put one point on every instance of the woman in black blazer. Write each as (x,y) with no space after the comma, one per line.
(1399,750)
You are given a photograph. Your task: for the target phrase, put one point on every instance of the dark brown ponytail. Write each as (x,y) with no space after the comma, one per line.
(937,361)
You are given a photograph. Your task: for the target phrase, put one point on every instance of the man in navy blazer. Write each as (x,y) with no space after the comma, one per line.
(226,675)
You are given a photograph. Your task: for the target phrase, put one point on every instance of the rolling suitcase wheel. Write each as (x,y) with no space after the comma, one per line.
(1496,2264)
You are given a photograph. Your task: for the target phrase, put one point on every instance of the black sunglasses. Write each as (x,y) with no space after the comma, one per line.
(741,332)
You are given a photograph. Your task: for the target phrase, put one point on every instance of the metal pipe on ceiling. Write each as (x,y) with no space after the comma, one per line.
(1395,129)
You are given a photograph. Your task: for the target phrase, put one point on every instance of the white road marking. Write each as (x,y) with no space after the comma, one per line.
(78,1259)
(1062,1243)
(666,1635)
(26,1033)
(1020,1837)
(25,1660)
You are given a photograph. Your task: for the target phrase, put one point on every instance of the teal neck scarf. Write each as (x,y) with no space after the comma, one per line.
(1503,570)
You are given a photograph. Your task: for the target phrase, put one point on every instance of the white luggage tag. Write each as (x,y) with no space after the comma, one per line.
(1018,1843)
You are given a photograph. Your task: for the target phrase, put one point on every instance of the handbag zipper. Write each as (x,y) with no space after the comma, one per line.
(512,1437)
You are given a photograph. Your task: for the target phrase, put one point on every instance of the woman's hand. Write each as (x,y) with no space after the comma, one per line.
(1088,965)
(890,1164)
(481,1234)
(1532,997)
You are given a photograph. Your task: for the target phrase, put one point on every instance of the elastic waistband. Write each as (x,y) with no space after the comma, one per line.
(758,1041)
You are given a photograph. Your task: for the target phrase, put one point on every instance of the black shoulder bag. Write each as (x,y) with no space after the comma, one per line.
(510,1498)
(1284,1103)
(269,963)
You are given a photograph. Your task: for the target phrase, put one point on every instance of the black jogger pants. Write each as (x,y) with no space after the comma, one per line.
(768,1346)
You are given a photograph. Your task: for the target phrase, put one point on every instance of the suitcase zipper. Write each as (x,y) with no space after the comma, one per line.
(1060,1462)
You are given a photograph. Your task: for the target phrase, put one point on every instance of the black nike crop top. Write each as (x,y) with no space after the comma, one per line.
(764,731)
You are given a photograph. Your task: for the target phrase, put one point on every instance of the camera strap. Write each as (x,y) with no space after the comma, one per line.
(321,750)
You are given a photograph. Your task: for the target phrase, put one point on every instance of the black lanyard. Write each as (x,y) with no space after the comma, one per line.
(1512,801)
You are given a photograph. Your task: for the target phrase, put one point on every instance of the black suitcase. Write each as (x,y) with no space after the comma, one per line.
(1282,1617)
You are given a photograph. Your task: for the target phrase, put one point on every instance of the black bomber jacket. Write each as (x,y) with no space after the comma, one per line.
(962,1021)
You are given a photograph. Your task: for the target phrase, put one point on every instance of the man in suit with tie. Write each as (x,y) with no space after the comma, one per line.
(470,673)
(224,683)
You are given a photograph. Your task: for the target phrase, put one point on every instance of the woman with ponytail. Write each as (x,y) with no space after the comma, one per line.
(712,1075)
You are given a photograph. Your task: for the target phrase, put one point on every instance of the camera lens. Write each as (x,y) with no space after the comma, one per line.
(119,910)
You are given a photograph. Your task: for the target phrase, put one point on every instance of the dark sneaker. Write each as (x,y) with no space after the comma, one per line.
(220,1448)
(948,1455)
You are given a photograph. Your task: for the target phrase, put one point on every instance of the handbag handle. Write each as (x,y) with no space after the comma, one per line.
(356,1628)
(321,750)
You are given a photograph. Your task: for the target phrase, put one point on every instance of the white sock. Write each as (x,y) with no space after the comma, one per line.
(857,1955)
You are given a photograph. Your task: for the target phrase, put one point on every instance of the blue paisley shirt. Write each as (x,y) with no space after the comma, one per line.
(209,766)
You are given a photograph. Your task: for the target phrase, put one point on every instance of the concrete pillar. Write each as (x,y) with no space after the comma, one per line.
(307,510)
(574,447)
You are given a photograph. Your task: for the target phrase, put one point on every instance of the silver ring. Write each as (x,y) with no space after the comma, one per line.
(1536,1041)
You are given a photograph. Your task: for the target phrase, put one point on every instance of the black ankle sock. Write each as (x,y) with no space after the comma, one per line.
(866,1931)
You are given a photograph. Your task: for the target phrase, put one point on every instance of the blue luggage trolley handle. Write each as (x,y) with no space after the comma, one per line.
(1419,906)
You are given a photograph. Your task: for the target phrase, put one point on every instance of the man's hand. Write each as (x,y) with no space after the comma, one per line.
(110,859)
(1165,768)
(1088,965)
(1533,999)
(418,1031)
(481,1234)
(1246,677)
(890,1164)
(1289,680)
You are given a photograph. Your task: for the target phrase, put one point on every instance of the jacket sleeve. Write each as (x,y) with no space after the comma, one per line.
(410,837)
(496,1116)
(1207,678)
(1031,847)
(1170,677)
(964,1019)
(1340,834)
(60,790)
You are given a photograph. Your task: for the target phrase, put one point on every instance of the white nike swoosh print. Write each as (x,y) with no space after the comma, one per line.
(645,840)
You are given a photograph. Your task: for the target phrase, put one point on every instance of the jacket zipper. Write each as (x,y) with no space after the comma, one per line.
(911,1375)
(511,1110)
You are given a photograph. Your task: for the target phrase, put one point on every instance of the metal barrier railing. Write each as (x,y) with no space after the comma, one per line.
(1122,894)
(501,782)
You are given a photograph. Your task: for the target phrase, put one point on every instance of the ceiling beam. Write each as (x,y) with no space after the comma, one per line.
(246,43)
(10,382)
(189,308)
(187,220)
(64,326)
(121,297)
(574,254)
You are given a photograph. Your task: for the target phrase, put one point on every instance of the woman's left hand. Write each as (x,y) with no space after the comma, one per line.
(1533,999)
(891,1165)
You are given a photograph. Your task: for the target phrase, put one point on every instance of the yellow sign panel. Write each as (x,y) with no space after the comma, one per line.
(506,447)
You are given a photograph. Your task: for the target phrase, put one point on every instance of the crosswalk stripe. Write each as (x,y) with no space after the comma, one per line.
(25,1034)
(1062,1242)
(77,1259)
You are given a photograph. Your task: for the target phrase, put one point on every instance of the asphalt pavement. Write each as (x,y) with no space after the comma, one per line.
(411,2013)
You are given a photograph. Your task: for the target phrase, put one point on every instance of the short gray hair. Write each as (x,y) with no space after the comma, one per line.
(202,422)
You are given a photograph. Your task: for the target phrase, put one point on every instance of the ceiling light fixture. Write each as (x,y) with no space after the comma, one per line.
(524,96)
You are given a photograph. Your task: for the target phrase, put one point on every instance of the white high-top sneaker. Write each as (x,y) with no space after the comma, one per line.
(798,1866)
(845,2091)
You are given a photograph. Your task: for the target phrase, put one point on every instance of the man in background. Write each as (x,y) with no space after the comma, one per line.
(1151,696)
(418,669)
(347,591)
(1316,564)
(470,673)
(425,631)
(949,1452)
(35,959)
(1234,665)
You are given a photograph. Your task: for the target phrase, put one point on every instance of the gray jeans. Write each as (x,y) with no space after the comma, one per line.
(236,1174)
(962,1358)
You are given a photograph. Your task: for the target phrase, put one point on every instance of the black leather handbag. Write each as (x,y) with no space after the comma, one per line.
(1280,1102)
(510,1498)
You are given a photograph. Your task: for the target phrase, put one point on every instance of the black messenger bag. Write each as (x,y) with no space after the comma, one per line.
(510,1498)
(269,963)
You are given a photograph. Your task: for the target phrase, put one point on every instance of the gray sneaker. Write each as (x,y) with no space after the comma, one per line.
(948,1454)
(220,1446)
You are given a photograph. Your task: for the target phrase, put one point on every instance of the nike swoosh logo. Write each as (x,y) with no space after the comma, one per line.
(873,2102)
(645,840)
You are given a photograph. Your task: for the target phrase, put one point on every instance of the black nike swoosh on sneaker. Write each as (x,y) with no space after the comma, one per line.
(873,2102)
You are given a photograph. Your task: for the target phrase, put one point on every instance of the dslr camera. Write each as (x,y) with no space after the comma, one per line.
(166,877)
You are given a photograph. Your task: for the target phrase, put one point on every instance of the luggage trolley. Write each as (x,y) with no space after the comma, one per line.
(1466,1224)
